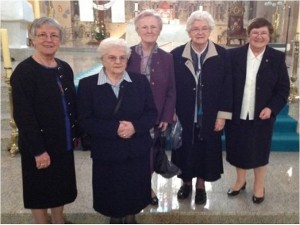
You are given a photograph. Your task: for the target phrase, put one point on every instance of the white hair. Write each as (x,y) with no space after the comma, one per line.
(200,15)
(109,43)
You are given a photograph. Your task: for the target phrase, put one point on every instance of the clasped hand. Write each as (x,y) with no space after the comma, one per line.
(42,161)
(126,129)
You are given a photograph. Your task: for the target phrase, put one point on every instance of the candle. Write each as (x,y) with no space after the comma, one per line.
(201,8)
(36,6)
(298,26)
(136,6)
(5,52)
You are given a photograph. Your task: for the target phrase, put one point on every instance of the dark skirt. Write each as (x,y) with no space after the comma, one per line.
(248,143)
(121,188)
(201,159)
(51,187)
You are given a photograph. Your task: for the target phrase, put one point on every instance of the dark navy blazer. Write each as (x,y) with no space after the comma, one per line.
(96,104)
(272,81)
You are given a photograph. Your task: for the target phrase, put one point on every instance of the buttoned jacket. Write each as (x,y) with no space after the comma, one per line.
(97,116)
(272,81)
(162,82)
(38,109)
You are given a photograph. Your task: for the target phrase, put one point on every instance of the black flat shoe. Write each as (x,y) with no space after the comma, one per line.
(154,201)
(184,191)
(200,197)
(231,192)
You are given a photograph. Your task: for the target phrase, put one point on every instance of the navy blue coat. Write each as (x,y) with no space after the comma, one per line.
(249,147)
(272,81)
(96,104)
(217,103)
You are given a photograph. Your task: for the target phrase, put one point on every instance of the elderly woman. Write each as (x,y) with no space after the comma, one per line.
(203,104)
(261,88)
(44,111)
(157,65)
(117,110)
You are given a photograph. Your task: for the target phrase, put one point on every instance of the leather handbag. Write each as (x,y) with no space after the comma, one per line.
(162,165)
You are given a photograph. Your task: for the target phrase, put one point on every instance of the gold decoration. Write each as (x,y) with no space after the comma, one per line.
(294,96)
(13,146)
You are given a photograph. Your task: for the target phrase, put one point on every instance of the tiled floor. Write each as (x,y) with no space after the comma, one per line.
(282,184)
(281,204)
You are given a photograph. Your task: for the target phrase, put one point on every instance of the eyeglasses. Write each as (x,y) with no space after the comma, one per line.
(45,36)
(114,59)
(256,34)
(196,30)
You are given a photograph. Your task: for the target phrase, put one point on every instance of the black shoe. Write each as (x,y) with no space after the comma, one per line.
(258,200)
(113,220)
(184,191)
(231,192)
(200,197)
(154,200)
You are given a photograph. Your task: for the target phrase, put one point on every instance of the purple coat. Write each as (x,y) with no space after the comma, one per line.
(162,82)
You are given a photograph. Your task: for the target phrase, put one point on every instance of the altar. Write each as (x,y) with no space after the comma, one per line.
(15,17)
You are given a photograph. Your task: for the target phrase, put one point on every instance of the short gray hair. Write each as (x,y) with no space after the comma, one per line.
(200,15)
(37,23)
(146,13)
(110,43)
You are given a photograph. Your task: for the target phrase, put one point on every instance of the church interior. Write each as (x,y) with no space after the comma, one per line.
(86,23)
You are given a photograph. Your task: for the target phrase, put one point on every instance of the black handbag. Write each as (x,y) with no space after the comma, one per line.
(162,165)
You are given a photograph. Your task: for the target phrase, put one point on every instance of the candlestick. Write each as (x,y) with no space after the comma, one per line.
(36,7)
(13,145)
(6,53)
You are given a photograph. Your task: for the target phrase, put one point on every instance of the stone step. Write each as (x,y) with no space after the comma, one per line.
(176,217)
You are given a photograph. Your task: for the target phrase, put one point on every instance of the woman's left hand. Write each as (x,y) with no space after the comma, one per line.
(265,113)
(126,129)
(219,124)
(162,126)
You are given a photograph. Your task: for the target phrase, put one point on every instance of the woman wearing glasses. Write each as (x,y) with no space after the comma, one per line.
(203,104)
(157,65)
(117,110)
(44,111)
(261,88)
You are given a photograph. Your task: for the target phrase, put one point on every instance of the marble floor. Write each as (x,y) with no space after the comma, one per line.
(281,203)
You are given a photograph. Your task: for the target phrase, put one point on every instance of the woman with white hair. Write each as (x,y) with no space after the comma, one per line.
(203,104)
(117,110)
